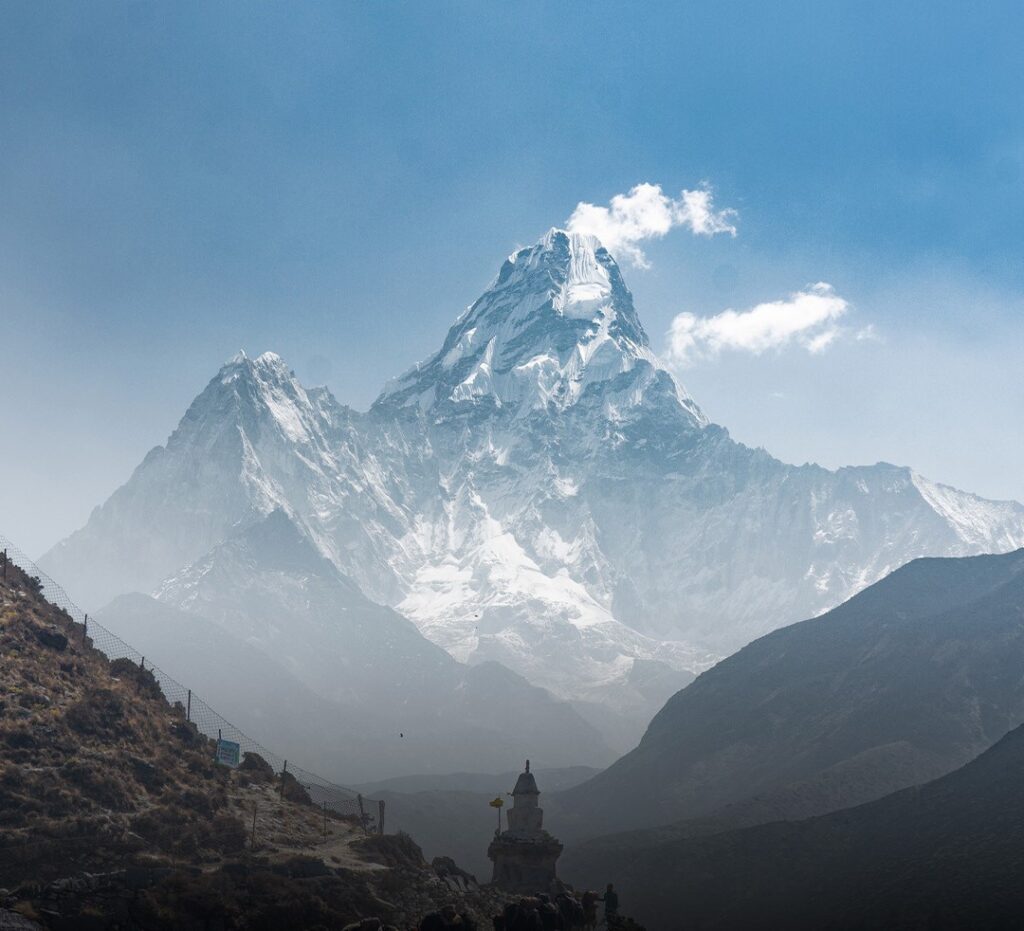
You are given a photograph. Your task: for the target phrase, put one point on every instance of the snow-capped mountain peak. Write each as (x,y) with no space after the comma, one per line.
(580,283)
(264,392)
(556,321)
(266,367)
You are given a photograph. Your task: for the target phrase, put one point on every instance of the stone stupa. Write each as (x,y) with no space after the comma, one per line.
(524,854)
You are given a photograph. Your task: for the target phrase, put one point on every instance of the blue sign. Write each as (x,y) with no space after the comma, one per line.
(228,753)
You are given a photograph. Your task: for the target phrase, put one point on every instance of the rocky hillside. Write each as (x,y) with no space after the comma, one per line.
(945,855)
(113,813)
(903,683)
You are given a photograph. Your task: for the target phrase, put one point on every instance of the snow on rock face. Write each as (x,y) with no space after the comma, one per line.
(483,596)
(540,491)
(253,441)
(979,524)
(557,320)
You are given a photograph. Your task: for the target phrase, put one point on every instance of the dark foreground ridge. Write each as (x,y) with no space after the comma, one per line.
(945,855)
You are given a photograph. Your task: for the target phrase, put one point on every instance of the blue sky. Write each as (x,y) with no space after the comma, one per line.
(337,181)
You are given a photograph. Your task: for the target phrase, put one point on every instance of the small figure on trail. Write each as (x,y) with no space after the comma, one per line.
(550,918)
(590,900)
(570,909)
(611,905)
(523,916)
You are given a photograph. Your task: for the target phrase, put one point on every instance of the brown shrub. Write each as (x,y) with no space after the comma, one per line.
(147,774)
(293,790)
(99,714)
(167,829)
(227,834)
(17,737)
(188,734)
(256,768)
(394,850)
(129,671)
(99,783)
(203,803)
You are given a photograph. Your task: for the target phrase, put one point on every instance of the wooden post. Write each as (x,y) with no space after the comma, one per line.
(85,633)
(188,707)
(380,824)
(362,812)
(252,841)
(284,771)
(5,563)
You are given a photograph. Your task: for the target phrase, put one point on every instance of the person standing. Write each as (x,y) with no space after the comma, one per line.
(590,900)
(611,905)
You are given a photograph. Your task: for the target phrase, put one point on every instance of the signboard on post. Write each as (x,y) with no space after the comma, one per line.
(228,753)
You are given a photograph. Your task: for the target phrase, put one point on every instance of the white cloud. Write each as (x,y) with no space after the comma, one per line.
(807,318)
(646,212)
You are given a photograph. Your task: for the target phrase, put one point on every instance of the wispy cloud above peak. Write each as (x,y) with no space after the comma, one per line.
(646,212)
(808,318)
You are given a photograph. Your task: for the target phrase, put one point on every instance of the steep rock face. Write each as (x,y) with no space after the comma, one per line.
(540,492)
(557,320)
(585,507)
(254,440)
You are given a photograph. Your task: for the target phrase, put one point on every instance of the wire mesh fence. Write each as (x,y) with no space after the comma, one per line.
(322,792)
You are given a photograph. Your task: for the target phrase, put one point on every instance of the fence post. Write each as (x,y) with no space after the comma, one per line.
(188,707)
(5,563)
(380,823)
(85,633)
(362,813)
(284,772)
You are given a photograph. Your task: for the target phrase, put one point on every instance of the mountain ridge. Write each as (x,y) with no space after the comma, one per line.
(540,492)
(902,683)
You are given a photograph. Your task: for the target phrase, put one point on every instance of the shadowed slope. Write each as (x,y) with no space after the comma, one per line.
(904,682)
(948,854)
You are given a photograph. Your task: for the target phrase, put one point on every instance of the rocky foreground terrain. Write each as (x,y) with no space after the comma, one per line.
(113,813)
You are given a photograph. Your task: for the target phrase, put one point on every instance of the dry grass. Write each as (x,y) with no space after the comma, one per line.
(99,773)
(92,752)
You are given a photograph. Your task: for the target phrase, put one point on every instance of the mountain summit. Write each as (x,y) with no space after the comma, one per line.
(540,492)
(557,321)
